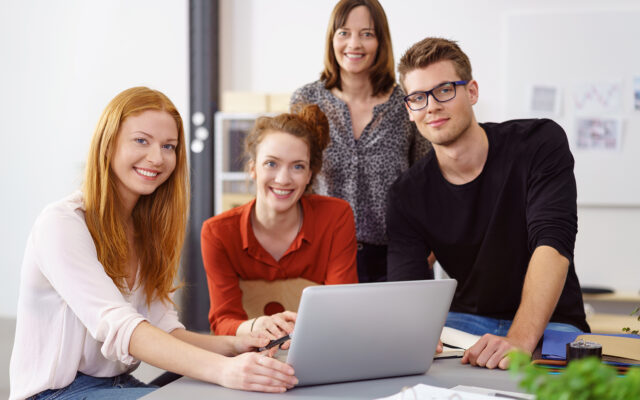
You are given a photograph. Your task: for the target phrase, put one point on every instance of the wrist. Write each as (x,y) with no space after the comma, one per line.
(244,327)
(215,368)
(254,322)
(523,342)
(230,349)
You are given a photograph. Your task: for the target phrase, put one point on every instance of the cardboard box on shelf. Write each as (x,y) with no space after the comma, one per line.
(244,102)
(278,102)
(232,200)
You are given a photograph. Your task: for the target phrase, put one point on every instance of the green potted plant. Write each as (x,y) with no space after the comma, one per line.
(583,379)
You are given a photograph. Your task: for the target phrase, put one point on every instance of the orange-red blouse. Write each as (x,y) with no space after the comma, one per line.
(324,251)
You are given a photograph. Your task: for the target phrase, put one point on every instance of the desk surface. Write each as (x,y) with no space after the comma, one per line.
(444,373)
(623,297)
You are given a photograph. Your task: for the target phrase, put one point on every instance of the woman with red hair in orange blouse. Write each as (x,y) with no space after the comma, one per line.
(285,232)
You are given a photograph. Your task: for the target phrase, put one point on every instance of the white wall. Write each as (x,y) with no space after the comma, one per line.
(62,61)
(277,46)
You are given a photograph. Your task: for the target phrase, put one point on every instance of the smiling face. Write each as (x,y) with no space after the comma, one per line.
(145,155)
(355,44)
(281,171)
(442,123)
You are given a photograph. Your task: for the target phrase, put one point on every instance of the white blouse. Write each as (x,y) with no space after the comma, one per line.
(71,316)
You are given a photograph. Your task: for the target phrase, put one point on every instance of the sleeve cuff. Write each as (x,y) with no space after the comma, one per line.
(558,246)
(119,349)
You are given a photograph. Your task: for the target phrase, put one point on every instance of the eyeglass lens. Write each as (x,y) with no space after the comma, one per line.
(444,92)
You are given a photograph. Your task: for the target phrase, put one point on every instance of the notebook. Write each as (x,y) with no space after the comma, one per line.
(455,342)
(368,330)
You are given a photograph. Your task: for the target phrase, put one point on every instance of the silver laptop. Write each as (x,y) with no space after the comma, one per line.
(368,330)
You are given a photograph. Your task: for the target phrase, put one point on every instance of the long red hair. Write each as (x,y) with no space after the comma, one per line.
(159,218)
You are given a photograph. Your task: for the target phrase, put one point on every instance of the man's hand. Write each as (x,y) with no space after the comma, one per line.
(490,352)
(543,284)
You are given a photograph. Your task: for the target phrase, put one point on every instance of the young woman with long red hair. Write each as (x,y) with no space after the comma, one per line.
(100,267)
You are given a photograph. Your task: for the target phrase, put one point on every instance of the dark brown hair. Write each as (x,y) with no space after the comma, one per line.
(306,121)
(431,50)
(382,75)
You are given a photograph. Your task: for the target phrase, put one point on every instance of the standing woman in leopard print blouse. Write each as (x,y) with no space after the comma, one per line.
(372,139)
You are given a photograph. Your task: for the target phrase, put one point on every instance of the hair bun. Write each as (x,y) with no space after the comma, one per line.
(317,122)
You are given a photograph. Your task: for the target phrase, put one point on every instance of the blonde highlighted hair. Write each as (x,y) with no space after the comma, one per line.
(159,218)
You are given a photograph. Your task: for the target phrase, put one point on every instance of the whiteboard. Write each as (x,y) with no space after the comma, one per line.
(569,51)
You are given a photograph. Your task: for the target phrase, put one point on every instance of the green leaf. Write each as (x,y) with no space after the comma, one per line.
(584,379)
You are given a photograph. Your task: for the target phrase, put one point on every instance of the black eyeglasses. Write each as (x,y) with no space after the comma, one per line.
(441,93)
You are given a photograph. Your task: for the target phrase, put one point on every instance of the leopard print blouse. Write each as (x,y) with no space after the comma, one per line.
(361,171)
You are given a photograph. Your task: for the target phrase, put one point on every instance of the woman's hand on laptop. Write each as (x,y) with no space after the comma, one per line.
(276,326)
(439,347)
(244,343)
(257,372)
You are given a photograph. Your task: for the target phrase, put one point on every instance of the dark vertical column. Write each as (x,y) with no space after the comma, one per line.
(203,70)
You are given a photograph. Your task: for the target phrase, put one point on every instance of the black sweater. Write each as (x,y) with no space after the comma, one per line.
(484,232)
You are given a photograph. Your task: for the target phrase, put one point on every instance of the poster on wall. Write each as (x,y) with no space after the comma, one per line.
(636,93)
(544,100)
(601,134)
(598,98)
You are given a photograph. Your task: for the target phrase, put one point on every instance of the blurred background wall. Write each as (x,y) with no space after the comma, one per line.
(62,61)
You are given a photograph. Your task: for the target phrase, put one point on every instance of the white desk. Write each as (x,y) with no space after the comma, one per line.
(444,373)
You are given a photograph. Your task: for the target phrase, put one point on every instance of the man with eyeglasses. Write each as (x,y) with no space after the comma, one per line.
(495,202)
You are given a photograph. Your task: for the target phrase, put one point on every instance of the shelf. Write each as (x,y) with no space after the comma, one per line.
(233,176)
(230,130)
(611,323)
(621,297)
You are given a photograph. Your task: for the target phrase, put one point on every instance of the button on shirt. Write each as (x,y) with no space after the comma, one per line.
(361,171)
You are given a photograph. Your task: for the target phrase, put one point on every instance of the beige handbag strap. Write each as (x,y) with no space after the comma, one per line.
(256,294)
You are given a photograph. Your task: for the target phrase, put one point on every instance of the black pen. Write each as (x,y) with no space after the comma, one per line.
(274,343)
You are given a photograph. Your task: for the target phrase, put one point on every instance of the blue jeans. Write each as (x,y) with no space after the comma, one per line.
(478,325)
(123,387)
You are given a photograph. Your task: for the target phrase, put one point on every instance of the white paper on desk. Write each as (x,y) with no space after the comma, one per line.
(427,392)
(492,392)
